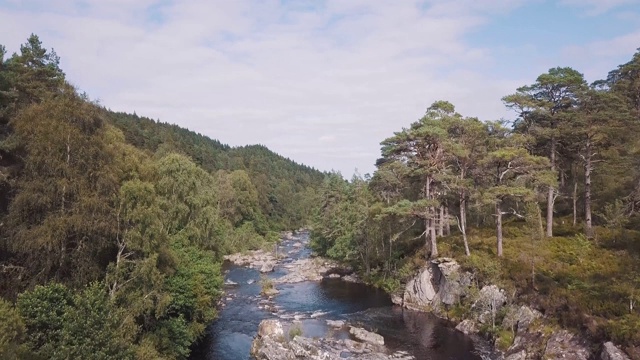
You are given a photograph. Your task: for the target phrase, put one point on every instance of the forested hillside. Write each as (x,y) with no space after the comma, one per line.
(113,226)
(545,205)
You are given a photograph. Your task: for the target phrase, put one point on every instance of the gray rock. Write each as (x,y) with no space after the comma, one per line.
(274,347)
(267,267)
(353,278)
(490,300)
(518,319)
(522,355)
(565,345)
(336,323)
(366,336)
(396,299)
(467,327)
(611,352)
(440,282)
(270,328)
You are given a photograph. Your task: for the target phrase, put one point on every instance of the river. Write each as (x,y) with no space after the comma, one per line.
(229,337)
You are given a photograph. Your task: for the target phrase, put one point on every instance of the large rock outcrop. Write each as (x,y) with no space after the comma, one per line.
(438,284)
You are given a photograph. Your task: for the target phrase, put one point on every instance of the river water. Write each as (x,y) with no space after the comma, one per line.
(229,337)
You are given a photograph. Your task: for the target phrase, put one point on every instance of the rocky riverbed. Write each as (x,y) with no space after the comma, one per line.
(331,312)
(271,343)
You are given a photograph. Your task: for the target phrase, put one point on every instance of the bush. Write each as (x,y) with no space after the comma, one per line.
(91,328)
(43,310)
(295,330)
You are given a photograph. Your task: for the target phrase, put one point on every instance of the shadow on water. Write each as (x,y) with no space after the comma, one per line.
(229,337)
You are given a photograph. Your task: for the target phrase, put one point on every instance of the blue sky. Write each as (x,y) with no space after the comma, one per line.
(321,82)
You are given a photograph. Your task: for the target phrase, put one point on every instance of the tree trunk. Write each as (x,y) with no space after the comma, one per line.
(463,222)
(430,231)
(499,227)
(432,236)
(551,193)
(447,225)
(575,202)
(587,189)
(441,221)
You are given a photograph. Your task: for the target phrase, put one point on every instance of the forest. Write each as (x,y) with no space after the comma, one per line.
(545,205)
(113,226)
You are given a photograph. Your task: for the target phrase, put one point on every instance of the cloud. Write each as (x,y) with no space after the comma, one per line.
(320,82)
(595,59)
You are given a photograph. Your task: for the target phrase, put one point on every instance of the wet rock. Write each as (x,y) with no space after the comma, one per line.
(353,278)
(439,283)
(255,258)
(268,345)
(467,327)
(336,323)
(333,276)
(611,352)
(267,267)
(366,336)
(565,345)
(230,283)
(396,299)
(270,328)
(307,270)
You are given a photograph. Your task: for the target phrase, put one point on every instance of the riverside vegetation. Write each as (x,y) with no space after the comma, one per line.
(544,206)
(113,226)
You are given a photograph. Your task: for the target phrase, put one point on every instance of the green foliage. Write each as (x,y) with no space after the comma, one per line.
(43,311)
(266,285)
(295,330)
(92,328)
(12,331)
(194,287)
(504,339)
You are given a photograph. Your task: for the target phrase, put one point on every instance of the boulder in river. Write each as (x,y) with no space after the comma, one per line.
(269,345)
(467,327)
(267,267)
(366,336)
(335,323)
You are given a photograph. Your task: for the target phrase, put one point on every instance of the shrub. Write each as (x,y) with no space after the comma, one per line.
(43,310)
(295,330)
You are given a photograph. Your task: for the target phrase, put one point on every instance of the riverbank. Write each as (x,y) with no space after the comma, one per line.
(324,311)
(539,301)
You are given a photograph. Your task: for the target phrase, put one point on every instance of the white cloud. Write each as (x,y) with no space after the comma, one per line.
(323,87)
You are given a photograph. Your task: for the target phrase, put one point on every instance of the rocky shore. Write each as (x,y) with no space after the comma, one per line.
(437,287)
(272,343)
(526,334)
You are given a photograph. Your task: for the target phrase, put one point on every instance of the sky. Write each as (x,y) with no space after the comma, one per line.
(321,82)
